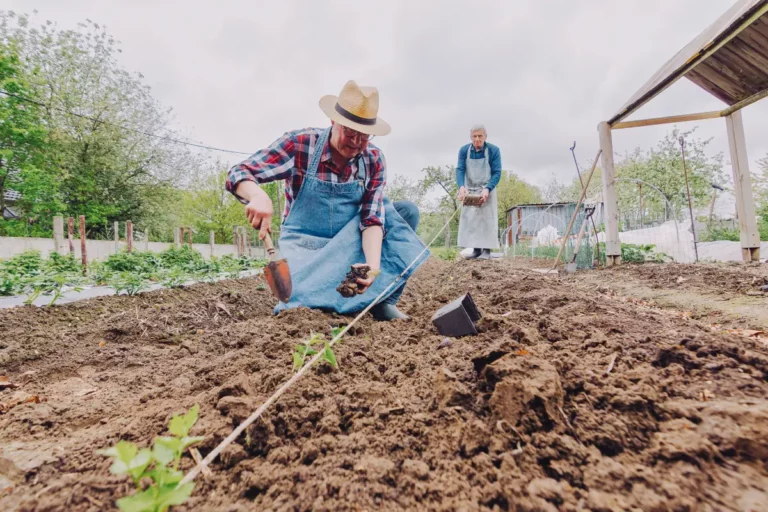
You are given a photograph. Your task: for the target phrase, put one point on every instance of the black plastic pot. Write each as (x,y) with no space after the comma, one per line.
(457,318)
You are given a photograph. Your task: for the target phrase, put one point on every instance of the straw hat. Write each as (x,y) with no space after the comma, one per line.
(357,108)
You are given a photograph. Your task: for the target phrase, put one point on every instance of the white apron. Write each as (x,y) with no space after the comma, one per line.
(479,225)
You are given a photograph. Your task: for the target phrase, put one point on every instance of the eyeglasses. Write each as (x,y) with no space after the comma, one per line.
(352,134)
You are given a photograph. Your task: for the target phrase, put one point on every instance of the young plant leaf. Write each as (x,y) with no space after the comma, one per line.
(163,453)
(180,425)
(143,501)
(329,356)
(186,442)
(172,444)
(165,476)
(298,361)
(124,451)
(171,495)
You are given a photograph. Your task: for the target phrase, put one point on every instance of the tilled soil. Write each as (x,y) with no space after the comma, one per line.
(564,401)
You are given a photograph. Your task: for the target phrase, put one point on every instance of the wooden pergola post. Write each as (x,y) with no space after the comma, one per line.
(742,185)
(610,197)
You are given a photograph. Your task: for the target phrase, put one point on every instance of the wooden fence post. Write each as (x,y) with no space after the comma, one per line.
(236,240)
(129,235)
(117,236)
(146,239)
(83,250)
(176,237)
(241,240)
(212,241)
(58,233)
(189,231)
(71,235)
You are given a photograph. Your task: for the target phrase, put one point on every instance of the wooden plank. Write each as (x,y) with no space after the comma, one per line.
(610,197)
(751,77)
(710,87)
(690,62)
(757,34)
(754,55)
(742,184)
(745,103)
(725,78)
(667,120)
(129,235)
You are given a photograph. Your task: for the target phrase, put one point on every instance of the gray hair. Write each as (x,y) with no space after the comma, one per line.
(477,128)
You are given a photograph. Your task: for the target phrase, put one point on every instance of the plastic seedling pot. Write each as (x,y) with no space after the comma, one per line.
(457,318)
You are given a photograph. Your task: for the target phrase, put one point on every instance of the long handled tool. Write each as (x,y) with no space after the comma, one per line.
(571,266)
(277,273)
(576,211)
(594,227)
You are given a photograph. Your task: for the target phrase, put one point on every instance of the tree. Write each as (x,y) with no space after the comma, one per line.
(110,140)
(401,188)
(760,183)
(512,191)
(659,168)
(554,191)
(23,144)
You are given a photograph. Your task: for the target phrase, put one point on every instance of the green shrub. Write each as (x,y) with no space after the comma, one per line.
(24,264)
(720,234)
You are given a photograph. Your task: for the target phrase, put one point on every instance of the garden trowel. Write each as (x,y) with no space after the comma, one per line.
(277,273)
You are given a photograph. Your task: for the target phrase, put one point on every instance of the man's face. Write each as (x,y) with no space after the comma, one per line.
(478,139)
(348,142)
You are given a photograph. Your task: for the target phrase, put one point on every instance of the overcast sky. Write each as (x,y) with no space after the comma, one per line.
(538,73)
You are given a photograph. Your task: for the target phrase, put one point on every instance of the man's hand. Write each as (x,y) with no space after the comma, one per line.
(259,213)
(364,284)
(462,194)
(484,196)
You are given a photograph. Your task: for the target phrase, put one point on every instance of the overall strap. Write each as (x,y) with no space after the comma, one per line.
(317,152)
(361,174)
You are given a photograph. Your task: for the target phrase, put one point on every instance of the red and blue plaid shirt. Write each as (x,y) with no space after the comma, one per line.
(288,159)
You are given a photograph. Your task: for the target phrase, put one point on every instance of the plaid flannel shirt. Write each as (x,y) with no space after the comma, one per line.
(288,159)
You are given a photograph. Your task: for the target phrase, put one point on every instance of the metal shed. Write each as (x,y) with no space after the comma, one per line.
(526,220)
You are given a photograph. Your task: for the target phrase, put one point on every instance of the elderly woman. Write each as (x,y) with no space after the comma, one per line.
(477,173)
(335,214)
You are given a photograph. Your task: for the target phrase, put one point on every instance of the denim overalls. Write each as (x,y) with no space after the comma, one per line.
(321,239)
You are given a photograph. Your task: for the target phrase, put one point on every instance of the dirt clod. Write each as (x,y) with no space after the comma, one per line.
(349,287)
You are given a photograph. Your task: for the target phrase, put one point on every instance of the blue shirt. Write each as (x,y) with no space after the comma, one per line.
(494,155)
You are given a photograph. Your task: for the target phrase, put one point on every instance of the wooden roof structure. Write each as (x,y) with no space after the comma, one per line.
(729,60)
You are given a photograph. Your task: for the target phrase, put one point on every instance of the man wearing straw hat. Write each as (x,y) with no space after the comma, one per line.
(477,173)
(335,213)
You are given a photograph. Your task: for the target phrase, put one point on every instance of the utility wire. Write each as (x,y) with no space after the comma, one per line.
(93,119)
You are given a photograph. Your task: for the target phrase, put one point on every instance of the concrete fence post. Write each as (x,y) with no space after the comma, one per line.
(58,233)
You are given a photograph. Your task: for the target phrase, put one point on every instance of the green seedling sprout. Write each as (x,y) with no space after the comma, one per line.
(160,465)
(307,349)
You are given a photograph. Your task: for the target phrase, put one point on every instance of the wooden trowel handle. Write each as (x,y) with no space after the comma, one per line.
(269,245)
